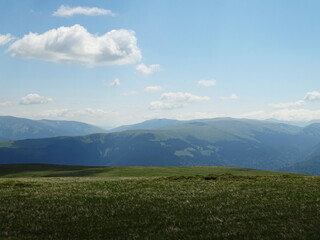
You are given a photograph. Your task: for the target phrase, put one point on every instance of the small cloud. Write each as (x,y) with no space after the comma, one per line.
(173,100)
(312,96)
(34,98)
(76,45)
(288,104)
(130,93)
(67,11)
(5,103)
(229,98)
(4,39)
(147,70)
(207,83)
(114,83)
(152,88)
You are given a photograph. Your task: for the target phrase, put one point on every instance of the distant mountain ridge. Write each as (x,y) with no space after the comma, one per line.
(13,128)
(152,124)
(210,142)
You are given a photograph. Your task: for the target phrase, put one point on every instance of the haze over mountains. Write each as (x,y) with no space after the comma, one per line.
(162,142)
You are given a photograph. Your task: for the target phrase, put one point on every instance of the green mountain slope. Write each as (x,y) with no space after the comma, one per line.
(12,128)
(213,142)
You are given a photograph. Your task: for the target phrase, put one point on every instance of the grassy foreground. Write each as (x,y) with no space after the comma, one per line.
(223,207)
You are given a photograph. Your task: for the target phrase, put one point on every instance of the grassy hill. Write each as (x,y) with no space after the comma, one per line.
(47,170)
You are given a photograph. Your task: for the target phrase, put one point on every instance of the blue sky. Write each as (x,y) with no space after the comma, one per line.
(111,63)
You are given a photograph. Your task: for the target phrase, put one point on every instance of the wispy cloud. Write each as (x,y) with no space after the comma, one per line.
(173,100)
(147,70)
(54,113)
(260,114)
(34,98)
(76,45)
(130,93)
(229,98)
(296,114)
(207,83)
(5,103)
(67,11)
(114,83)
(288,104)
(312,96)
(152,88)
(4,39)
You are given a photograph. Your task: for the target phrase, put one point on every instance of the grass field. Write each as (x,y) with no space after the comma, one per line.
(47,170)
(175,207)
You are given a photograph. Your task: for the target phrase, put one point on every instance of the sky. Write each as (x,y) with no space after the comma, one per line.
(117,62)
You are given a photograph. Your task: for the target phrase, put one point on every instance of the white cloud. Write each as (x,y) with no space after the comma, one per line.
(34,98)
(173,100)
(66,11)
(4,39)
(76,45)
(312,96)
(296,114)
(207,83)
(5,103)
(288,104)
(229,98)
(152,88)
(131,93)
(147,70)
(114,83)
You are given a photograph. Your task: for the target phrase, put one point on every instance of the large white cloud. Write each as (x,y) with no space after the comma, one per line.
(147,70)
(288,104)
(76,45)
(67,11)
(207,83)
(4,39)
(34,98)
(173,100)
(312,96)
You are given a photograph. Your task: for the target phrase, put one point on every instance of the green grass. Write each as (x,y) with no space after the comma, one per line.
(46,170)
(223,207)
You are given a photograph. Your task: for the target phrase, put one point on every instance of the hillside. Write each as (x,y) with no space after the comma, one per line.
(13,128)
(48,170)
(214,142)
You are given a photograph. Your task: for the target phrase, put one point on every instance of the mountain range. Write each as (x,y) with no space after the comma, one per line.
(13,128)
(208,142)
